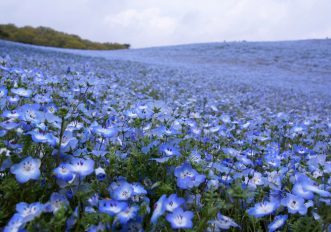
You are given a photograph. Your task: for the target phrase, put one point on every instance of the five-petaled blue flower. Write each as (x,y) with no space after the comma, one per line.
(173,202)
(187,177)
(27,169)
(278,222)
(159,208)
(180,219)
(64,172)
(82,167)
(112,207)
(294,204)
(29,211)
(22,92)
(262,209)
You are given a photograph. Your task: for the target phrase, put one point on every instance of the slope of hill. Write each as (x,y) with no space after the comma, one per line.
(299,66)
(240,129)
(49,37)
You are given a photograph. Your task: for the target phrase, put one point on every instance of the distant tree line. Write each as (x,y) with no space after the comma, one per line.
(48,37)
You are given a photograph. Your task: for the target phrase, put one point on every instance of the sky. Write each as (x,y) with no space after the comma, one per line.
(148,23)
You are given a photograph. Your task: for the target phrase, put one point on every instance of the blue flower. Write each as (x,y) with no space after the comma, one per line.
(316,189)
(299,190)
(15,223)
(9,125)
(195,157)
(127,214)
(22,92)
(11,114)
(71,221)
(133,225)
(138,189)
(212,184)
(173,202)
(57,201)
(112,207)
(294,204)
(69,142)
(100,173)
(89,209)
(195,131)
(305,187)
(122,192)
(256,180)
(161,160)
(64,172)
(273,160)
(131,113)
(43,137)
(159,208)
(96,228)
(27,169)
(278,222)
(30,113)
(165,131)
(6,163)
(169,150)
(222,223)
(83,167)
(94,200)
(225,222)
(105,132)
(274,180)
(144,111)
(262,209)
(51,108)
(150,146)
(180,219)
(187,177)
(29,211)
(3,91)
(42,99)
(13,99)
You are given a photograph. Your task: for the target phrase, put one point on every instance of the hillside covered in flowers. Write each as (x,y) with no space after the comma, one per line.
(206,137)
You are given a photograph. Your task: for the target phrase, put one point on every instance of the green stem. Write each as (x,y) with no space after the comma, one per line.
(60,141)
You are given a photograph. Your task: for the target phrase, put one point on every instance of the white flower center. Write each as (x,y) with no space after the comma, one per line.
(31,114)
(168,151)
(179,220)
(28,166)
(265,208)
(278,223)
(63,170)
(186,174)
(125,194)
(294,204)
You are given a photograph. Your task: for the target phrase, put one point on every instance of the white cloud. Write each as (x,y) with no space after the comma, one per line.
(150,23)
(143,25)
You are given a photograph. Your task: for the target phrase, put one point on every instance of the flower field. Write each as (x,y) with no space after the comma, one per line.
(213,137)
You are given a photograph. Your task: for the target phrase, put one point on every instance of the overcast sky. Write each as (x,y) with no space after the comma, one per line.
(145,23)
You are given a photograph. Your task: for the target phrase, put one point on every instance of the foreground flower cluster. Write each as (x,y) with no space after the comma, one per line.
(92,145)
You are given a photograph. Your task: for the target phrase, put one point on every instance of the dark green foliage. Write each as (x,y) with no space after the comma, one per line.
(306,224)
(57,222)
(48,37)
